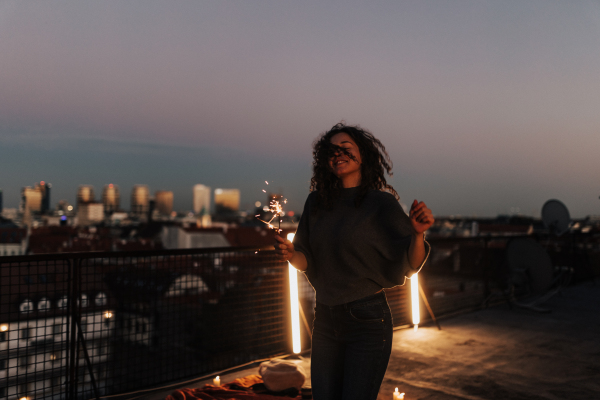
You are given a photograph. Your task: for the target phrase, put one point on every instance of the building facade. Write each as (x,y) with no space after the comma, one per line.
(201,199)
(164,202)
(85,194)
(111,198)
(90,213)
(227,200)
(140,201)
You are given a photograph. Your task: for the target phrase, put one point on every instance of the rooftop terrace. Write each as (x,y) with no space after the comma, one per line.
(496,353)
(141,323)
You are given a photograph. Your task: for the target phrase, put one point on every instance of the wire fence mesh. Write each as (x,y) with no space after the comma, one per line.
(87,325)
(84,325)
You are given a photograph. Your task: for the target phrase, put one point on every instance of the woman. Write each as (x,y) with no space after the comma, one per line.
(352,241)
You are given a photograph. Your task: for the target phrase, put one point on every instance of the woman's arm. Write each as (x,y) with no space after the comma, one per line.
(416,250)
(421,219)
(285,251)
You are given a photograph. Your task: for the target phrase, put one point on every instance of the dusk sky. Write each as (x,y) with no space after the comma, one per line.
(483,106)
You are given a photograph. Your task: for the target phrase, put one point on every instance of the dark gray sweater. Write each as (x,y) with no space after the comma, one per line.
(353,252)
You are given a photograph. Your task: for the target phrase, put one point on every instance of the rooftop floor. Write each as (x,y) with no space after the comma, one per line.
(495,353)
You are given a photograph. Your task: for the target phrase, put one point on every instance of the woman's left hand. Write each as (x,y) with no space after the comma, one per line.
(421,217)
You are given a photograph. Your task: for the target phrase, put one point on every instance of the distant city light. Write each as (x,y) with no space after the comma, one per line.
(3,328)
(108,314)
(265,208)
(218,191)
(63,218)
(257,204)
(291,213)
(70,208)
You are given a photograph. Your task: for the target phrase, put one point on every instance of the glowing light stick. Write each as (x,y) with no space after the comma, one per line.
(295,308)
(414,296)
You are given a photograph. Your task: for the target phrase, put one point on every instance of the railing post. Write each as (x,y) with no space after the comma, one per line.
(72,325)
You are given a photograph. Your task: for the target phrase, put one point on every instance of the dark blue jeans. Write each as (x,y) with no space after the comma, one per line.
(351,346)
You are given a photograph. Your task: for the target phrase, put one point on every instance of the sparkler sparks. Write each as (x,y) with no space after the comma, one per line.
(276,208)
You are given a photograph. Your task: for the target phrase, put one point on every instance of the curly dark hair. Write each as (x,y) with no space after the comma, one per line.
(375,162)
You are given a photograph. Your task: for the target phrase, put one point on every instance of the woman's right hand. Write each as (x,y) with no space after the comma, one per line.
(284,249)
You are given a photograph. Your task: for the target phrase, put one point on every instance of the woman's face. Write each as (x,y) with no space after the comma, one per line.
(343,166)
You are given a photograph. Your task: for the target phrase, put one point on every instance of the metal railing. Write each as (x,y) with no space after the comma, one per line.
(84,325)
(92,324)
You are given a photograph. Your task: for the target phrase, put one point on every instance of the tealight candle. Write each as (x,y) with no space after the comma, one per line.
(397,396)
(217,381)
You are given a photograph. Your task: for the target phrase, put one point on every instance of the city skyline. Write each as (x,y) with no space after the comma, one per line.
(484,107)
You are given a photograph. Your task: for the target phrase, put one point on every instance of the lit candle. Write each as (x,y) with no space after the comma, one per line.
(217,381)
(397,396)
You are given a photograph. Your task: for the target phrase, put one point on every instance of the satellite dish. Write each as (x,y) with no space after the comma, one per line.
(530,266)
(556,217)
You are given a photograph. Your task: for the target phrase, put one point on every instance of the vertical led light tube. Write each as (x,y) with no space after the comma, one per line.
(414,296)
(295,309)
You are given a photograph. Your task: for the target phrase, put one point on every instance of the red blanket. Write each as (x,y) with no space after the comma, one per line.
(246,388)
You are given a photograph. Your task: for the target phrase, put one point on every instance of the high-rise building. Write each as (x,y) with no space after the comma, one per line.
(140,201)
(31,199)
(36,199)
(227,200)
(164,202)
(110,198)
(45,189)
(201,199)
(89,213)
(85,194)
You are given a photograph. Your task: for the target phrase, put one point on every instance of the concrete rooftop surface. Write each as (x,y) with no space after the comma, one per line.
(496,353)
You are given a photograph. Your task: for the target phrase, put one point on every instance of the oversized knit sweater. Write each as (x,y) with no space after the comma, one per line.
(353,252)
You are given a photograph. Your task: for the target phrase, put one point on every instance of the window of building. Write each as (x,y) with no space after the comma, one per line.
(25,389)
(84,300)
(102,348)
(3,336)
(24,361)
(28,279)
(3,364)
(83,325)
(100,373)
(62,302)
(2,392)
(57,329)
(25,333)
(100,299)
(44,304)
(26,306)
(55,382)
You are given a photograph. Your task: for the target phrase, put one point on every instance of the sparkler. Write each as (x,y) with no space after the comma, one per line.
(276,208)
